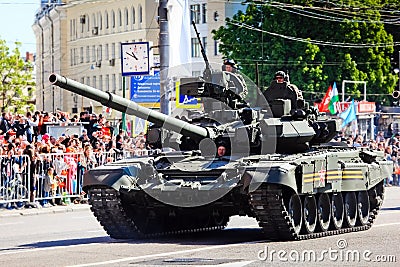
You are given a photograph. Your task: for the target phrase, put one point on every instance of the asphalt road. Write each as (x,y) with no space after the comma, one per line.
(76,239)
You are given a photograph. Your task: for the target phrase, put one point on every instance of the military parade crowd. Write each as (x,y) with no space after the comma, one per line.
(49,169)
(388,142)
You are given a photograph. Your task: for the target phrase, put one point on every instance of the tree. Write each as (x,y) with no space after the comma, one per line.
(315,42)
(16,79)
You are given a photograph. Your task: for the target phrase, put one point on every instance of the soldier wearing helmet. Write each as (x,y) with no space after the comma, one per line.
(280,76)
(236,81)
(229,65)
(281,88)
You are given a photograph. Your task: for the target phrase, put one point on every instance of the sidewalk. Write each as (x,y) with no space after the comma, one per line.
(37,211)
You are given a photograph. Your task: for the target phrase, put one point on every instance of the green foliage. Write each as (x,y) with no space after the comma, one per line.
(15,78)
(281,36)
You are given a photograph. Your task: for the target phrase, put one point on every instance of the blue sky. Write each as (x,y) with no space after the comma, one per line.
(16,20)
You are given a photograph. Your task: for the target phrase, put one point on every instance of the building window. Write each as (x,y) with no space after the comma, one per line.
(195,13)
(101,82)
(87,23)
(81,55)
(126,16)
(93,53)
(118,52)
(216,48)
(106,19)
(119,18)
(195,47)
(100,20)
(106,52)
(94,20)
(120,82)
(140,14)
(113,50)
(94,82)
(113,19)
(100,53)
(88,81)
(87,54)
(71,29)
(114,83)
(204,13)
(204,40)
(73,34)
(133,15)
(107,82)
(75,56)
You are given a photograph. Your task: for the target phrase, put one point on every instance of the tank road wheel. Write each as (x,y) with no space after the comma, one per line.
(309,214)
(337,211)
(363,207)
(324,212)
(295,212)
(350,209)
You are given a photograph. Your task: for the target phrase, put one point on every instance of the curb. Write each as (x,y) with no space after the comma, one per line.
(38,211)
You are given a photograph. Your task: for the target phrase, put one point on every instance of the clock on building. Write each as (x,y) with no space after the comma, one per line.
(136,58)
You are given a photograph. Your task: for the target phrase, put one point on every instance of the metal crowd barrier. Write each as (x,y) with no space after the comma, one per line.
(16,182)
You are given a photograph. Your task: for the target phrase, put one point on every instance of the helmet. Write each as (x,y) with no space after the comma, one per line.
(230,62)
(280,73)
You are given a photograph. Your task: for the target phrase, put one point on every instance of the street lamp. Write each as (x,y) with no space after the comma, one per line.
(396,94)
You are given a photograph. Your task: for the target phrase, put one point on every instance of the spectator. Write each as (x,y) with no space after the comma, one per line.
(48,184)
(5,124)
(31,123)
(33,172)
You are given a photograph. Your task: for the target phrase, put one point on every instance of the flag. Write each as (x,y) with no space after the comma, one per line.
(324,105)
(349,115)
(179,34)
(334,99)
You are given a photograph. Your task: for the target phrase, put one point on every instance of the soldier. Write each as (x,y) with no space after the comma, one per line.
(235,82)
(281,88)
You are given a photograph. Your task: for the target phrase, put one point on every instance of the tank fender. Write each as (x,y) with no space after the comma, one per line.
(386,168)
(275,173)
(121,177)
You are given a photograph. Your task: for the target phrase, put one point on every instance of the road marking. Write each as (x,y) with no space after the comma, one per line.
(165,254)
(13,223)
(231,264)
(384,224)
(388,212)
(24,250)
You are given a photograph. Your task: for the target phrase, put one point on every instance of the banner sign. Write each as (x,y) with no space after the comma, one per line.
(145,90)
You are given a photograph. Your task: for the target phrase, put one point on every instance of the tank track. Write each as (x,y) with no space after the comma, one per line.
(106,205)
(268,206)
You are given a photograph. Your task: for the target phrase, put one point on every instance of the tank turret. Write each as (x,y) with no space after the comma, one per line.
(227,118)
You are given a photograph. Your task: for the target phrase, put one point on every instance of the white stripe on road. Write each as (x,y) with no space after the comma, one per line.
(231,264)
(384,224)
(110,262)
(383,212)
(13,223)
(23,250)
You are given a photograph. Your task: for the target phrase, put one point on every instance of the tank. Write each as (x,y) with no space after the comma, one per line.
(279,167)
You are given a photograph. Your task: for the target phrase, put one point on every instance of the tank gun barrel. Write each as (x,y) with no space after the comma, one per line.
(129,107)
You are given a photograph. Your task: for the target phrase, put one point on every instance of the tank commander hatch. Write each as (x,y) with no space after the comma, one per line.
(281,88)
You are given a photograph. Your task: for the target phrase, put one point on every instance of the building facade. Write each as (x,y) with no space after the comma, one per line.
(82,40)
